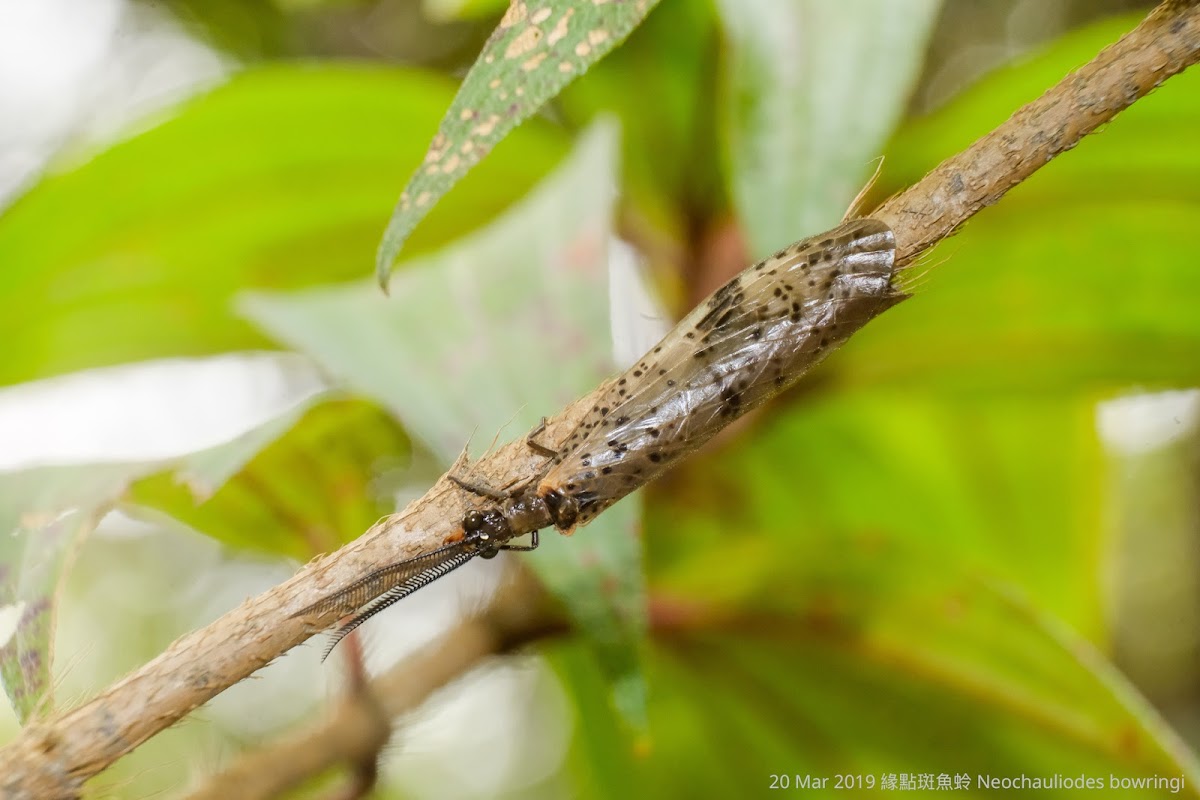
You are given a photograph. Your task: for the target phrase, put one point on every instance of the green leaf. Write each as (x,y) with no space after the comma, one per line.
(599,763)
(875,583)
(448,10)
(46,511)
(248,28)
(838,693)
(505,327)
(979,482)
(35,551)
(538,48)
(511,317)
(1151,572)
(273,180)
(811,91)
(310,490)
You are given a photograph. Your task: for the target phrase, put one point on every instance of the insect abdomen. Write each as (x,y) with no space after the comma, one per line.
(751,339)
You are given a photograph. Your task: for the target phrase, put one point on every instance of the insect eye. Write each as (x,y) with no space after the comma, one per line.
(563,508)
(472,521)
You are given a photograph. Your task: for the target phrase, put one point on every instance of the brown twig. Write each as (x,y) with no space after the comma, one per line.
(1166,43)
(367,706)
(53,757)
(351,733)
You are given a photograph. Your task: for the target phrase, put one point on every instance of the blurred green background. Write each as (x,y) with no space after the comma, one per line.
(966,546)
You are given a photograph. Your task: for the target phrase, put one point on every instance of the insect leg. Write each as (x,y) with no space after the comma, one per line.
(533,544)
(517,485)
(511,490)
(480,489)
(538,447)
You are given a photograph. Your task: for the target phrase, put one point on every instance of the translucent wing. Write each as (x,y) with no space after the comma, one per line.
(748,341)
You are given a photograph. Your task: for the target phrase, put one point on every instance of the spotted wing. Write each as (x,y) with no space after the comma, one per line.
(748,341)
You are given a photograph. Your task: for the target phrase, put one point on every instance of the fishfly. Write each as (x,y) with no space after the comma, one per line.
(747,342)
